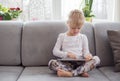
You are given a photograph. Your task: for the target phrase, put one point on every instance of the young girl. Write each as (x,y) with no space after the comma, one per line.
(73,44)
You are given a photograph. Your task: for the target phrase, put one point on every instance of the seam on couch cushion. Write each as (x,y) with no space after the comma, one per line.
(20,73)
(105,75)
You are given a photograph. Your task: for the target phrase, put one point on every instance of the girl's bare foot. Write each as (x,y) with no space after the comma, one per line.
(85,74)
(62,73)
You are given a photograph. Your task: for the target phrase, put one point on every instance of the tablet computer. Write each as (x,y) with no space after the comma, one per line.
(76,62)
(71,60)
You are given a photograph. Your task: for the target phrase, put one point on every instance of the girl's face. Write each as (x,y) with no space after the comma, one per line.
(74,31)
(74,27)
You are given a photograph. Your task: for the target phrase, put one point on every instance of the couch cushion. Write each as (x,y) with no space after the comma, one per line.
(39,39)
(89,32)
(103,48)
(110,74)
(44,74)
(10,73)
(114,38)
(10,38)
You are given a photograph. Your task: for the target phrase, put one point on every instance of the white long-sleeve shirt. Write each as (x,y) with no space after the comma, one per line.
(77,45)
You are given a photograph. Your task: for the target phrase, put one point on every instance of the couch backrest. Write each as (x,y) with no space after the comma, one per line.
(10,38)
(103,49)
(39,39)
(87,29)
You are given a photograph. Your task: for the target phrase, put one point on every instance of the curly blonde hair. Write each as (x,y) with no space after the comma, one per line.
(76,18)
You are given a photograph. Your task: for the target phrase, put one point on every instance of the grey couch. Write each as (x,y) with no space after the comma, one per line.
(26,48)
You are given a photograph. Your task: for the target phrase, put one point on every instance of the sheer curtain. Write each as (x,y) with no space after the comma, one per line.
(32,9)
(58,9)
(40,9)
(67,6)
(37,10)
(107,9)
(103,9)
(12,3)
(116,11)
(100,9)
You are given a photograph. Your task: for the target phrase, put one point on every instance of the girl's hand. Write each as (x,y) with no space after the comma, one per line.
(71,55)
(88,57)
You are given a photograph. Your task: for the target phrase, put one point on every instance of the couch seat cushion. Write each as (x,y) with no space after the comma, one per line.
(110,74)
(10,73)
(44,74)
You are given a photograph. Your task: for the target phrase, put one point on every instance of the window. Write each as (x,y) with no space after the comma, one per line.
(68,5)
(57,9)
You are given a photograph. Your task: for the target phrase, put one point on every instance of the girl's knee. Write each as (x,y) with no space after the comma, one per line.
(97,60)
(52,61)
(53,65)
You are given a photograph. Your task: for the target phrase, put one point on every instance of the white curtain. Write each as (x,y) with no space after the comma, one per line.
(40,9)
(32,9)
(67,6)
(59,9)
(102,9)
(116,14)
(12,3)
